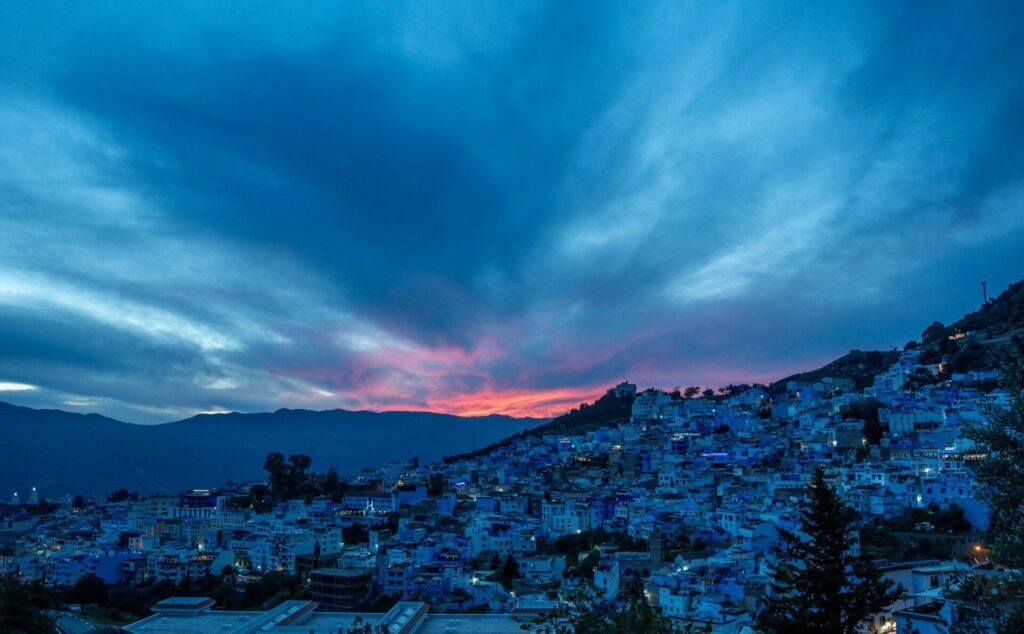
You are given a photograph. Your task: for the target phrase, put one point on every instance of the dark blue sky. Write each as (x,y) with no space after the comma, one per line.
(478,207)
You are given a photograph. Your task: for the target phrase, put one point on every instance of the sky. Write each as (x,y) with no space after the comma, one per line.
(489,207)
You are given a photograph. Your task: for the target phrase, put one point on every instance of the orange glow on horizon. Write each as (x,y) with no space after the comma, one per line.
(516,403)
(520,403)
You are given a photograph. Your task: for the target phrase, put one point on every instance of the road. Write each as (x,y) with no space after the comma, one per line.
(68,623)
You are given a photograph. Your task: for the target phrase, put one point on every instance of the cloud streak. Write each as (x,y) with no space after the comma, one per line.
(481,208)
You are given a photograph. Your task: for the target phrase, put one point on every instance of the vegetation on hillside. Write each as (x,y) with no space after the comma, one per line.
(983,607)
(610,409)
(1001,315)
(129,602)
(23,607)
(914,534)
(980,340)
(585,612)
(819,587)
(858,365)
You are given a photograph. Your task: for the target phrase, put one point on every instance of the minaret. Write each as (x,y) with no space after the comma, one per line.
(984,293)
(34,497)
(14,499)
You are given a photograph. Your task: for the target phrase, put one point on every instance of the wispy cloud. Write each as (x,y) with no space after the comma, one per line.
(482,208)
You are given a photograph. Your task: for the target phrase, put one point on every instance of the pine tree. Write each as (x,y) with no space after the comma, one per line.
(1000,475)
(819,587)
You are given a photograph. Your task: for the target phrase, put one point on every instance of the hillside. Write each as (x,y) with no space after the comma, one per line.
(859,365)
(995,325)
(999,316)
(979,340)
(610,409)
(61,453)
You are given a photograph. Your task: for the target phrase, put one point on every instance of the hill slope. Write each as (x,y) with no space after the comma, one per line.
(999,316)
(60,452)
(859,365)
(610,409)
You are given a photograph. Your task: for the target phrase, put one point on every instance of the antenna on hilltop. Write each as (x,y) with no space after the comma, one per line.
(984,293)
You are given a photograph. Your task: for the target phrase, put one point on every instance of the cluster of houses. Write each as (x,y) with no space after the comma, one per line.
(700,486)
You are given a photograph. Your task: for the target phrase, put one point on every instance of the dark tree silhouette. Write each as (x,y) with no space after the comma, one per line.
(1001,476)
(288,478)
(585,612)
(88,589)
(21,607)
(818,586)
(509,570)
(122,495)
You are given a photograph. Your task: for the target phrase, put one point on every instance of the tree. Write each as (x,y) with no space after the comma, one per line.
(867,411)
(297,476)
(43,507)
(21,608)
(122,495)
(78,502)
(586,613)
(332,485)
(873,431)
(1001,439)
(88,589)
(287,477)
(691,391)
(819,587)
(258,494)
(510,569)
(436,485)
(733,390)
(934,333)
(277,472)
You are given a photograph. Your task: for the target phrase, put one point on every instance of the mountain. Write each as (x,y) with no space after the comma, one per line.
(61,452)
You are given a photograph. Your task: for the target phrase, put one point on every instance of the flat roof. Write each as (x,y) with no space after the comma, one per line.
(497,623)
(277,621)
(343,572)
(197,624)
(184,601)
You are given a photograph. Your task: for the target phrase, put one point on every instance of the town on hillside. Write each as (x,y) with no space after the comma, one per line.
(676,506)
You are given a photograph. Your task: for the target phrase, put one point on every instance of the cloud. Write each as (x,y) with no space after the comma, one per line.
(9,386)
(482,208)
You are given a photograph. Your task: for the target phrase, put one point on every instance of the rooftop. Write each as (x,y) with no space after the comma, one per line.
(294,617)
